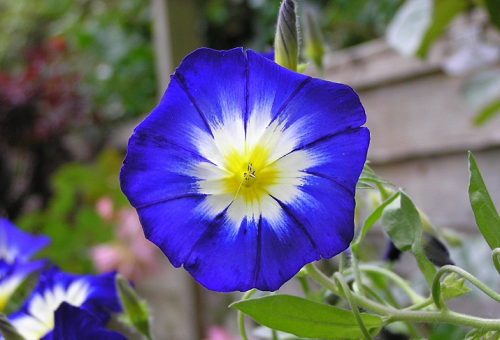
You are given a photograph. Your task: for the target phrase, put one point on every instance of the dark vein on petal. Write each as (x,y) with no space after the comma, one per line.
(205,232)
(146,205)
(299,224)
(332,179)
(180,81)
(297,90)
(247,79)
(258,255)
(313,143)
(144,136)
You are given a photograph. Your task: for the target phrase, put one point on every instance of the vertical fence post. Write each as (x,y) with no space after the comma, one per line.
(162,44)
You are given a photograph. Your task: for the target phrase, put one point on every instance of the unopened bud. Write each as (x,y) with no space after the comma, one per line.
(136,310)
(436,251)
(313,42)
(286,42)
(8,331)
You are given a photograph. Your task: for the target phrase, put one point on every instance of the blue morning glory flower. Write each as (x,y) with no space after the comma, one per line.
(246,171)
(73,323)
(16,248)
(96,294)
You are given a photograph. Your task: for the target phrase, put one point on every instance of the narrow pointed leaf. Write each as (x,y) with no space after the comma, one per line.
(374,217)
(363,185)
(369,176)
(306,318)
(486,215)
(443,13)
(487,112)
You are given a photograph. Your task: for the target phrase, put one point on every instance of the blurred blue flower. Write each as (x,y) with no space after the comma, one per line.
(18,245)
(246,171)
(16,248)
(73,323)
(95,294)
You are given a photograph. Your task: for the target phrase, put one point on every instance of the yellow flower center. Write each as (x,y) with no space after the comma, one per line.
(250,173)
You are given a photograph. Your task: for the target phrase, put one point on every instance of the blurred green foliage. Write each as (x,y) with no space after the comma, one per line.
(251,23)
(419,24)
(71,219)
(110,42)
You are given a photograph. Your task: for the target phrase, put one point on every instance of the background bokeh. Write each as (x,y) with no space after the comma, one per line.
(77,75)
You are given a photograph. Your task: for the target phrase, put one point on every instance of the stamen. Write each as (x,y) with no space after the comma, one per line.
(250,173)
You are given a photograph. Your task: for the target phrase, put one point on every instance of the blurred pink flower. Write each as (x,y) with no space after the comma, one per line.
(131,254)
(219,333)
(104,208)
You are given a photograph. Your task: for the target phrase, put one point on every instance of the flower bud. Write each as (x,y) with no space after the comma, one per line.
(136,310)
(286,42)
(8,331)
(313,42)
(436,251)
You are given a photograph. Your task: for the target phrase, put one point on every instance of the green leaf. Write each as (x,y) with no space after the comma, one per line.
(447,331)
(372,218)
(267,333)
(306,318)
(301,68)
(452,288)
(136,310)
(407,29)
(363,185)
(418,23)
(443,13)
(487,112)
(402,222)
(367,175)
(493,7)
(486,215)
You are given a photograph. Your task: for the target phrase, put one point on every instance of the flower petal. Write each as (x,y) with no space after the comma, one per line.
(310,108)
(73,323)
(16,244)
(216,83)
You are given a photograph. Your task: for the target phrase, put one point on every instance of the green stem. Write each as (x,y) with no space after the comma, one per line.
(305,286)
(361,301)
(241,319)
(384,194)
(418,306)
(393,315)
(445,317)
(436,285)
(377,297)
(352,304)
(494,255)
(342,262)
(398,280)
(357,274)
